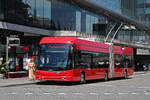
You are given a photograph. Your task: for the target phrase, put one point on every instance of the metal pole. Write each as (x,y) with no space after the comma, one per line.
(110,32)
(111,59)
(7,48)
(116,32)
(111,54)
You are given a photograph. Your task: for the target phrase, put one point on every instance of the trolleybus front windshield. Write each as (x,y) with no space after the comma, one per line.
(53,57)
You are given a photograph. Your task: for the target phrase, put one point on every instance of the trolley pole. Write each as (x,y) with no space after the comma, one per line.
(109,33)
(116,33)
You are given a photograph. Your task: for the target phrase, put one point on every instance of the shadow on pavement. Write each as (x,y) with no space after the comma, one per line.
(62,83)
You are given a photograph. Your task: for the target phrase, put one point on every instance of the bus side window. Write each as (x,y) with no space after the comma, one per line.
(101,60)
(83,60)
(77,59)
(119,61)
(128,60)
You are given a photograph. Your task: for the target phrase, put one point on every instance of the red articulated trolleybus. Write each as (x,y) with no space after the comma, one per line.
(75,59)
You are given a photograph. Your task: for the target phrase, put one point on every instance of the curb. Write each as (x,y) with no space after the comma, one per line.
(139,72)
(21,84)
(142,72)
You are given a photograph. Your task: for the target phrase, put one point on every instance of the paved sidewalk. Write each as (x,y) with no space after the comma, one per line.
(141,72)
(15,82)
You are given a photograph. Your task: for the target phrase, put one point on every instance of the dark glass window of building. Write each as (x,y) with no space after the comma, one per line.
(20,11)
(1,9)
(47,13)
(63,15)
(39,12)
(10,10)
(30,14)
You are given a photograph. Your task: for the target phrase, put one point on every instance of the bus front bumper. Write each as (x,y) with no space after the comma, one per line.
(54,78)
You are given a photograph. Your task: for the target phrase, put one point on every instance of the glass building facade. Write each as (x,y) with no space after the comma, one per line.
(68,15)
(126,8)
(144,11)
(51,15)
(113,5)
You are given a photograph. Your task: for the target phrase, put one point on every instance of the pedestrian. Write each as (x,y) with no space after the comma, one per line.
(31,70)
(26,64)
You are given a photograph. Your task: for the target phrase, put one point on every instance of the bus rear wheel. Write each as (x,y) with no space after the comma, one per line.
(82,78)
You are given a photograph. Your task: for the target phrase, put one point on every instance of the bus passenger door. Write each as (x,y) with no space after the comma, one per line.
(83,63)
(119,65)
(117,71)
(76,73)
(89,70)
(101,70)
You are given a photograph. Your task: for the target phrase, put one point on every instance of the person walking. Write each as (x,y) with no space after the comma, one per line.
(31,70)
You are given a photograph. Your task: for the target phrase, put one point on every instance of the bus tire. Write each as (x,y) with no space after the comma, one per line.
(106,76)
(125,74)
(82,78)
